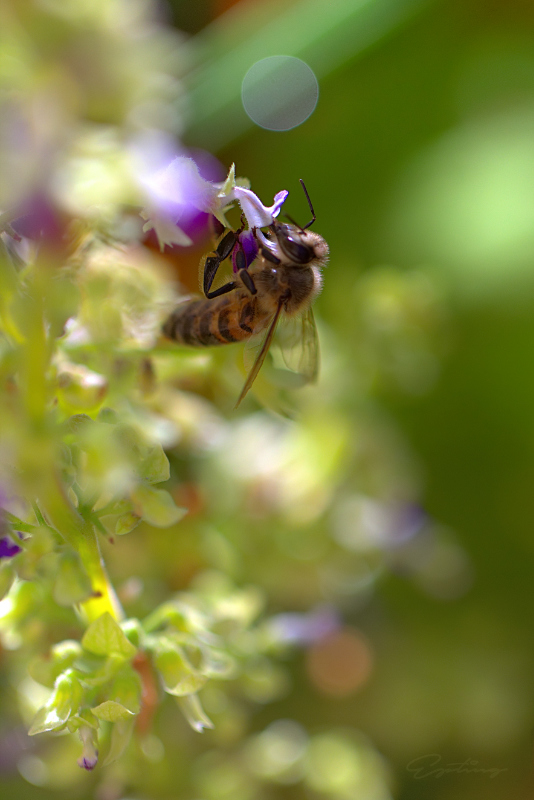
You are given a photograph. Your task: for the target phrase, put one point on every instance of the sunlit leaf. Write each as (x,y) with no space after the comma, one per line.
(72,584)
(104,637)
(156,506)
(178,675)
(194,713)
(121,733)
(63,703)
(46,669)
(126,523)
(111,711)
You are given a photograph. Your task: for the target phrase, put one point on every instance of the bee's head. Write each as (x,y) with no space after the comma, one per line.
(297,246)
(292,243)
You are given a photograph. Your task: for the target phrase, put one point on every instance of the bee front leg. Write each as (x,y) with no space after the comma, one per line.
(268,256)
(221,290)
(222,251)
(210,270)
(248,282)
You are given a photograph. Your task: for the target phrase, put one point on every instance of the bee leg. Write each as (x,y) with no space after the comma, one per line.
(210,270)
(223,250)
(221,290)
(268,256)
(227,244)
(240,260)
(246,277)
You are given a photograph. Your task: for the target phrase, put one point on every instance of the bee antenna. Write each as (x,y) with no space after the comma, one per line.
(310,223)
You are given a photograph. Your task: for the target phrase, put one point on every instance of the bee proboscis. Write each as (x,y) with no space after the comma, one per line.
(281,284)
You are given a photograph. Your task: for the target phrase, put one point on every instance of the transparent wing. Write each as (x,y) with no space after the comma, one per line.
(260,351)
(298,344)
(294,346)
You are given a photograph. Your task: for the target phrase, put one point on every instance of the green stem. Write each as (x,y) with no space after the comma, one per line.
(82,536)
(37,459)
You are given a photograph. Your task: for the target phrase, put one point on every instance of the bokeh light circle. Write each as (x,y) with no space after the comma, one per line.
(340,663)
(279,92)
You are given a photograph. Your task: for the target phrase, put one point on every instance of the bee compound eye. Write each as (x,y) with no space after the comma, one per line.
(297,252)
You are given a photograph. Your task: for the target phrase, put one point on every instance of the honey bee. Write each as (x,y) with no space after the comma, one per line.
(281,283)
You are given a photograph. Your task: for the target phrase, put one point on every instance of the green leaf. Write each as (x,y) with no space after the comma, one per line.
(84,718)
(133,630)
(126,689)
(64,702)
(80,389)
(121,733)
(166,614)
(36,547)
(217,663)
(67,466)
(25,598)
(146,457)
(7,576)
(18,524)
(72,584)
(155,466)
(126,523)
(104,637)
(156,506)
(178,675)
(61,657)
(100,676)
(108,415)
(111,711)
(78,422)
(194,713)
(47,719)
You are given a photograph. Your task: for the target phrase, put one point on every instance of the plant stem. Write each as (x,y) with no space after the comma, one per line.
(82,536)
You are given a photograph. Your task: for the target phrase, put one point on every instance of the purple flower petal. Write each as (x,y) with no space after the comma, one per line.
(8,548)
(88,763)
(248,246)
(39,220)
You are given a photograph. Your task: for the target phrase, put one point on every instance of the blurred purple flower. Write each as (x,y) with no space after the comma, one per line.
(411,518)
(305,629)
(8,548)
(39,220)
(362,523)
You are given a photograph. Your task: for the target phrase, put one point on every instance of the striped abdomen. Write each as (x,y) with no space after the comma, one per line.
(223,320)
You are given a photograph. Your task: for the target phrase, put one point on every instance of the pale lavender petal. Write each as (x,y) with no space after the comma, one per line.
(305,629)
(256,214)
(180,186)
(89,757)
(279,200)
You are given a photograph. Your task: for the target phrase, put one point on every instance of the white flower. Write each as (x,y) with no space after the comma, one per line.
(89,757)
(179,189)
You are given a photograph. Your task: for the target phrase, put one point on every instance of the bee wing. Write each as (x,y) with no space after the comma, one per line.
(296,344)
(263,350)
(299,345)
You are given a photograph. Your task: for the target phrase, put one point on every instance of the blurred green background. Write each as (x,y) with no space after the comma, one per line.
(419,159)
